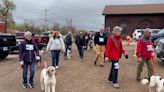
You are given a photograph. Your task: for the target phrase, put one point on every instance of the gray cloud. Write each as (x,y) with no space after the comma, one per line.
(86,14)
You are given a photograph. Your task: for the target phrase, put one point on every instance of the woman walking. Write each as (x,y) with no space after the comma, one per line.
(28,55)
(55,44)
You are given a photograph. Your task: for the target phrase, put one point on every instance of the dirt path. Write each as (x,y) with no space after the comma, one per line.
(76,76)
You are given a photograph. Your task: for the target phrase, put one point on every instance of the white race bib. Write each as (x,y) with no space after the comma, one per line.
(149,48)
(101,39)
(116,65)
(29,47)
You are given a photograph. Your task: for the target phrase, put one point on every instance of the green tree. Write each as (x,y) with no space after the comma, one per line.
(6,8)
(82,30)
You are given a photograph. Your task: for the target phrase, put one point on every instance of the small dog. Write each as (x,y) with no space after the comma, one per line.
(69,54)
(155,82)
(48,79)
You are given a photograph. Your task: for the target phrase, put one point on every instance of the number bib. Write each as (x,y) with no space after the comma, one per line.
(101,39)
(29,47)
(149,48)
(116,65)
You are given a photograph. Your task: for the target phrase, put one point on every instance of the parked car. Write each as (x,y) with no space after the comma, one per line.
(160,49)
(40,40)
(155,31)
(19,38)
(7,41)
(137,34)
(160,34)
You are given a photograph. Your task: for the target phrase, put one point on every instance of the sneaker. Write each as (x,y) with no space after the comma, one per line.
(31,85)
(95,62)
(24,85)
(81,60)
(116,85)
(57,67)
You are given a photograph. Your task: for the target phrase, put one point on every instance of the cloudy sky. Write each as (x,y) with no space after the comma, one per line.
(86,14)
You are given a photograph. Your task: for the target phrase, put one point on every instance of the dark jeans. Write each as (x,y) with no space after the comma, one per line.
(113,76)
(25,71)
(55,57)
(81,51)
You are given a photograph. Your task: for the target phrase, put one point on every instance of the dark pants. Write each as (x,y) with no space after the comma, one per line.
(81,51)
(25,71)
(113,76)
(55,57)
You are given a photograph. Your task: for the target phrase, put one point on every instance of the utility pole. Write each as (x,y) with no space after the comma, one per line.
(28,24)
(46,20)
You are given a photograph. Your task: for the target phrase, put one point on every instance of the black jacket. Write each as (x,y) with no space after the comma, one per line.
(68,40)
(100,39)
(79,40)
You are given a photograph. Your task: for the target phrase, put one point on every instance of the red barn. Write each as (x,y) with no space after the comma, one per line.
(131,17)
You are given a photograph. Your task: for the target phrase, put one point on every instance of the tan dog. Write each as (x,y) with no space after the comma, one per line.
(48,79)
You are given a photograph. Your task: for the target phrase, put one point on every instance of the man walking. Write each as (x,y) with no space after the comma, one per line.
(144,53)
(68,45)
(80,45)
(100,42)
(114,50)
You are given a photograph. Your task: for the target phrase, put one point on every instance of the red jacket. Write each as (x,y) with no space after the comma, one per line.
(144,48)
(111,50)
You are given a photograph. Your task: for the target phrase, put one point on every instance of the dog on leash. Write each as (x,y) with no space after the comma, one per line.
(154,82)
(48,79)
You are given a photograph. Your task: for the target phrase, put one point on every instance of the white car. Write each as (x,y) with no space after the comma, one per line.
(137,34)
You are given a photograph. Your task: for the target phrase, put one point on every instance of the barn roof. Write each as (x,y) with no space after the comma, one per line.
(134,9)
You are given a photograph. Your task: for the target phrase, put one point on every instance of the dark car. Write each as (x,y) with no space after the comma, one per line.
(7,41)
(40,40)
(160,49)
(160,34)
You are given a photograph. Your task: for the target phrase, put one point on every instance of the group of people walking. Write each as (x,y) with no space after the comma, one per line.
(113,50)
(108,48)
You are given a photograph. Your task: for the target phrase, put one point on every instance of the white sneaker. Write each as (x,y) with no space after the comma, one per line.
(57,67)
(116,85)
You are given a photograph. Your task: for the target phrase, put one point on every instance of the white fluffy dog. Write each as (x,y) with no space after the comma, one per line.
(69,54)
(48,79)
(155,82)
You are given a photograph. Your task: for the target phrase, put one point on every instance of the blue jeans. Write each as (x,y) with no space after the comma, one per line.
(55,57)
(32,72)
(81,51)
(113,76)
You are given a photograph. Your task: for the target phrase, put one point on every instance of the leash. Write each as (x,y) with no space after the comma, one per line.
(153,64)
(42,62)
